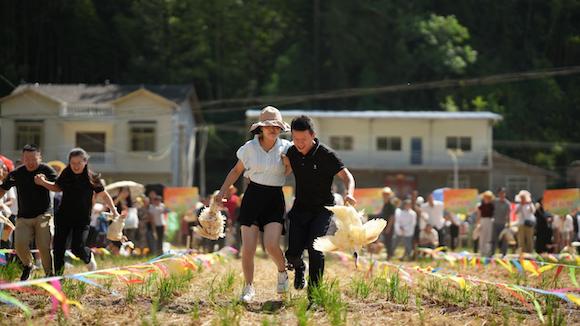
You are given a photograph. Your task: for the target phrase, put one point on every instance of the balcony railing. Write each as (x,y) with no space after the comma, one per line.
(404,160)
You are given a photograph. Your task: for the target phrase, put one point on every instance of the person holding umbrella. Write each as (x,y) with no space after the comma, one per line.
(78,185)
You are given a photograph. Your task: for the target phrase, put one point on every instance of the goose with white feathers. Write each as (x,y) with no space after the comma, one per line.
(351,234)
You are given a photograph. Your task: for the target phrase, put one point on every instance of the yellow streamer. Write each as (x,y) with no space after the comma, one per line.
(507,265)
(574,298)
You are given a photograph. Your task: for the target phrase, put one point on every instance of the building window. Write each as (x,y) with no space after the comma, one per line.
(142,136)
(389,143)
(459,143)
(92,142)
(341,143)
(515,183)
(28,132)
(462,180)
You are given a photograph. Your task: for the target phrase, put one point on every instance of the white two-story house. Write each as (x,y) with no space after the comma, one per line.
(409,150)
(141,133)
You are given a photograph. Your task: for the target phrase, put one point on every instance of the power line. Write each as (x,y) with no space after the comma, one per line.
(356,92)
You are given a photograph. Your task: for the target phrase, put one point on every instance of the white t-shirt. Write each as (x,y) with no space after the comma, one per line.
(564,225)
(265,168)
(12,194)
(156,213)
(405,221)
(429,238)
(132,220)
(435,213)
(525,213)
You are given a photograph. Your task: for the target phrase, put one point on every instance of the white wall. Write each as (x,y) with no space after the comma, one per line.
(432,132)
(60,132)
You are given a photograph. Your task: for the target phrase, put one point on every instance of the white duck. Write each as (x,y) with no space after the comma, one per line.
(211,222)
(351,234)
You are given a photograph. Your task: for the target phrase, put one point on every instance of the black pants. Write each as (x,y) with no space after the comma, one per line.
(78,244)
(160,230)
(442,232)
(454,232)
(305,227)
(388,241)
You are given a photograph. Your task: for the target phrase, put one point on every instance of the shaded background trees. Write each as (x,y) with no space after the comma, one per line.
(243,49)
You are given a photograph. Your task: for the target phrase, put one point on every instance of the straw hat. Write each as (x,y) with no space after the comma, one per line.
(57,165)
(387,190)
(524,193)
(487,194)
(270,116)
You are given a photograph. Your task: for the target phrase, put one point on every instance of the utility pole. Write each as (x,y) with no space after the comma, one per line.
(454,153)
(198,120)
(181,166)
(202,149)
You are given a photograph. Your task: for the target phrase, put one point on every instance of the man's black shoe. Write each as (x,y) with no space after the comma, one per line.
(26,270)
(299,281)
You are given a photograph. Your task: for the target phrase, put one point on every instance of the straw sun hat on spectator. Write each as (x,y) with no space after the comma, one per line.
(270,116)
(487,194)
(523,193)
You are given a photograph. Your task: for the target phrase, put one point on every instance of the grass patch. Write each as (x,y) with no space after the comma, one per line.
(73,289)
(230,314)
(303,315)
(222,286)
(360,288)
(10,272)
(171,286)
(327,295)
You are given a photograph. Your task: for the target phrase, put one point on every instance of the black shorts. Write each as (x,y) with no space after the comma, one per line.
(262,205)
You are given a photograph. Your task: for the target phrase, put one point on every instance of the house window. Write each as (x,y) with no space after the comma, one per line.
(515,183)
(341,143)
(28,132)
(459,143)
(389,143)
(462,180)
(92,142)
(142,136)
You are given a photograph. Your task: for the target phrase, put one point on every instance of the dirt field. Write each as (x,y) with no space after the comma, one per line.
(210,297)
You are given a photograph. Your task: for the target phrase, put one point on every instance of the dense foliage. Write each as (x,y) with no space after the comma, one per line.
(250,48)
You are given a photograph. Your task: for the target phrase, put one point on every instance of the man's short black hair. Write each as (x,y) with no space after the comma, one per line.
(302,123)
(30,148)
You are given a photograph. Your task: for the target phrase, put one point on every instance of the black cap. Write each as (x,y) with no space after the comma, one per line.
(30,148)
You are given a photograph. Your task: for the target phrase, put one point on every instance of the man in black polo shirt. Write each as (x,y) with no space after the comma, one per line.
(314,166)
(34,210)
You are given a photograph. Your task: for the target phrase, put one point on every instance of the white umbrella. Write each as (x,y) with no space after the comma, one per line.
(135,188)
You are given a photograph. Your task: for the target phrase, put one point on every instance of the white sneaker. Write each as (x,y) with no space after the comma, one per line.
(282,282)
(92,265)
(248,293)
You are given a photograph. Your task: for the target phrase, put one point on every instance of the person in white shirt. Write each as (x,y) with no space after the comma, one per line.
(525,210)
(262,160)
(563,230)
(405,221)
(428,238)
(157,211)
(434,210)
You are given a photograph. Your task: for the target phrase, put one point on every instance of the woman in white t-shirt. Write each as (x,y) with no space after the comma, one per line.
(262,160)
(525,210)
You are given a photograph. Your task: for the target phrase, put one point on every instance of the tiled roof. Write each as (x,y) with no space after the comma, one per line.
(100,94)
